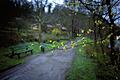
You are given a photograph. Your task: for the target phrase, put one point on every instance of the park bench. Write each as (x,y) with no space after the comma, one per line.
(45,46)
(18,50)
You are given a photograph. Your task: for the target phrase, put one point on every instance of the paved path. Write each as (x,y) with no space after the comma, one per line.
(50,66)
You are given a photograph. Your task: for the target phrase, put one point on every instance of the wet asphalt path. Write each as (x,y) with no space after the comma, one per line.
(52,65)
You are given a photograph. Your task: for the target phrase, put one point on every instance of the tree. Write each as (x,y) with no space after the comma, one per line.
(64,16)
(104,12)
(72,6)
(49,7)
(11,10)
(39,13)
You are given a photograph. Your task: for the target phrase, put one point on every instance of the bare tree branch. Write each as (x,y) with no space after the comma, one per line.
(117,18)
(95,14)
(116,14)
(117,2)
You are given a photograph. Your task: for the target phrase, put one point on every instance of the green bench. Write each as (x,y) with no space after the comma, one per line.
(45,46)
(18,50)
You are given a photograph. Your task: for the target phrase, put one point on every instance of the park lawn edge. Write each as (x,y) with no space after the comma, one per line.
(83,67)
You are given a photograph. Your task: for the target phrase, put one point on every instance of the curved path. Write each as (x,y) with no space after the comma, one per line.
(49,66)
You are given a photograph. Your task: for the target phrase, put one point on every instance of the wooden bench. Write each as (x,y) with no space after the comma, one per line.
(18,50)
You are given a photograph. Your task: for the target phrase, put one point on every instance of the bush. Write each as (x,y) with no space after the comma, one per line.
(56,31)
(104,70)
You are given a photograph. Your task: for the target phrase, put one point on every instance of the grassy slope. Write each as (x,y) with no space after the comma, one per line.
(90,64)
(83,67)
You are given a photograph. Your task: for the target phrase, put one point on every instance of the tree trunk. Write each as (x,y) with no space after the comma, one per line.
(39,32)
(100,34)
(73,20)
(112,37)
(94,28)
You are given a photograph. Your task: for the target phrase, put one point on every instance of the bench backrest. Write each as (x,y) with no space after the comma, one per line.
(19,47)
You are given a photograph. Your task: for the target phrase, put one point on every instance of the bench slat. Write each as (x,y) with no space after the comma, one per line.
(18,50)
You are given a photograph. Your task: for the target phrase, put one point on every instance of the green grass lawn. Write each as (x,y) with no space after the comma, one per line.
(6,62)
(83,67)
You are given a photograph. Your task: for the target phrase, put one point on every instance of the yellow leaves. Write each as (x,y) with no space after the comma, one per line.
(117,78)
(98,42)
(68,4)
(79,35)
(112,25)
(72,4)
(109,35)
(58,46)
(54,42)
(95,22)
(117,37)
(83,45)
(62,43)
(98,22)
(50,41)
(39,46)
(53,46)
(89,31)
(56,31)
(111,13)
(103,27)
(94,54)
(65,47)
(83,38)
(82,31)
(32,44)
(80,50)
(73,44)
(103,41)
(112,53)
(52,51)
(93,12)
(104,53)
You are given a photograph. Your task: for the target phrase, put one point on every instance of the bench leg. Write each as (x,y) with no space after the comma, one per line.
(12,55)
(18,56)
(26,53)
(31,52)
